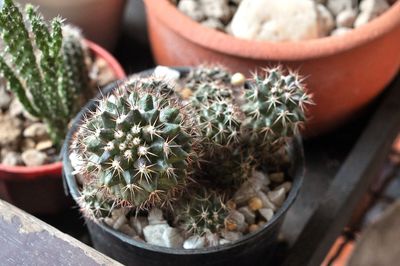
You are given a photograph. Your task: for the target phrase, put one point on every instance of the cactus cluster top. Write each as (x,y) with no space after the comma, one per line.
(149,144)
(44,65)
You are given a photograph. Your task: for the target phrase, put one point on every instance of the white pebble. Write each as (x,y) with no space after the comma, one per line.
(231,235)
(340,31)
(346,18)
(277,197)
(194,242)
(267,203)
(156,217)
(212,240)
(249,215)
(153,234)
(172,238)
(266,213)
(138,223)
(287,186)
(168,74)
(238,79)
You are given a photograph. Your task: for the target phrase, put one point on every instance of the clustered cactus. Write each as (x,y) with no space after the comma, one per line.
(137,145)
(145,143)
(50,71)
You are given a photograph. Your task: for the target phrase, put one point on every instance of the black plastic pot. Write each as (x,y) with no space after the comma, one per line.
(253,249)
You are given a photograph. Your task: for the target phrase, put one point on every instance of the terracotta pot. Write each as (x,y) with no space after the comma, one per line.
(39,189)
(343,72)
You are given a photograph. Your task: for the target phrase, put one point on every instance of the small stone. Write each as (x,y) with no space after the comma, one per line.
(11,158)
(186,93)
(255,203)
(126,229)
(44,145)
(153,234)
(212,240)
(119,222)
(36,131)
(172,238)
(337,6)
(260,180)
(370,9)
(138,223)
(224,241)
(192,9)
(278,177)
(109,221)
(5,97)
(346,18)
(261,223)
(249,215)
(168,74)
(284,20)
(156,217)
(245,192)
(27,144)
(340,31)
(231,235)
(266,202)
(326,21)
(235,221)
(213,23)
(218,9)
(287,186)
(15,109)
(33,157)
(230,204)
(238,79)
(10,131)
(253,228)
(277,197)
(194,242)
(266,213)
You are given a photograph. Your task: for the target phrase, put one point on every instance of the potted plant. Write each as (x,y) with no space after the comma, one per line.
(50,71)
(200,172)
(345,72)
(76,12)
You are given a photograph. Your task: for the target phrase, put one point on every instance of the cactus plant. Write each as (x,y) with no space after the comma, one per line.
(137,145)
(206,73)
(205,211)
(49,69)
(274,108)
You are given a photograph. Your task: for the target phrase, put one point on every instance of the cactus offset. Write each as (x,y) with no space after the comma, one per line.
(204,212)
(274,108)
(38,55)
(137,146)
(204,74)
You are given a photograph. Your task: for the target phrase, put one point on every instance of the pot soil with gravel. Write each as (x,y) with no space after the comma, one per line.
(283,20)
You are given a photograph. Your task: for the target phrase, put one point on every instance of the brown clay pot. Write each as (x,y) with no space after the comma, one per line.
(39,189)
(343,72)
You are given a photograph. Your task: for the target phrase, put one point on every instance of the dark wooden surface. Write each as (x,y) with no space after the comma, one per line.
(337,202)
(26,240)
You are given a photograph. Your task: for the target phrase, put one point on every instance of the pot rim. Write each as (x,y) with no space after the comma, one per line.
(33,172)
(72,187)
(164,11)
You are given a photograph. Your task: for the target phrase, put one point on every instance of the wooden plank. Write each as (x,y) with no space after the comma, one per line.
(26,240)
(350,183)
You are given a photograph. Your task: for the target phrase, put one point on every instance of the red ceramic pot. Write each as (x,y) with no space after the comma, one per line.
(343,72)
(39,190)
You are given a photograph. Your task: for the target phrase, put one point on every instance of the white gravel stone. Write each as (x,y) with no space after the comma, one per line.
(11,158)
(156,217)
(138,223)
(44,145)
(277,196)
(33,157)
(245,192)
(337,6)
(346,18)
(120,221)
(287,186)
(267,203)
(5,98)
(15,108)
(260,179)
(340,31)
(370,9)
(284,20)
(172,238)
(266,213)
(153,234)
(249,215)
(192,9)
(231,235)
(237,218)
(218,9)
(194,242)
(36,131)
(224,241)
(170,75)
(212,240)
(10,131)
(213,24)
(326,22)
(126,229)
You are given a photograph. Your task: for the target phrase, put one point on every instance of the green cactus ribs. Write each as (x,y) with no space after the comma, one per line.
(274,107)
(204,212)
(138,145)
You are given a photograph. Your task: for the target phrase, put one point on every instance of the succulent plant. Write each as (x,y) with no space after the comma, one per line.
(137,145)
(204,74)
(205,211)
(94,203)
(274,108)
(49,69)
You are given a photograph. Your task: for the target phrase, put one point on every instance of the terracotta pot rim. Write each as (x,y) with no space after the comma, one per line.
(32,172)
(264,50)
